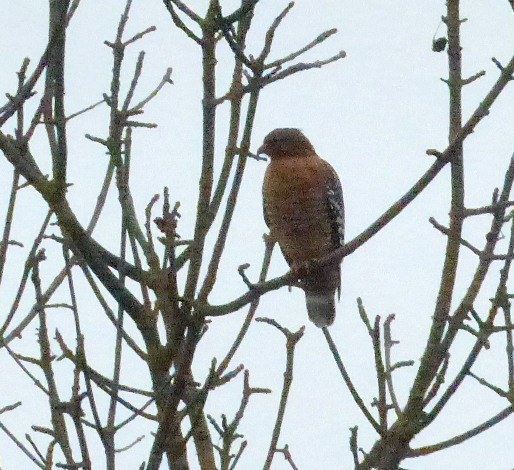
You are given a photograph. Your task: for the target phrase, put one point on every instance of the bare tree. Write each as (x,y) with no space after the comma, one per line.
(163,282)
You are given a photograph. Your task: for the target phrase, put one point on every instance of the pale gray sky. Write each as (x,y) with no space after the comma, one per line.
(372,115)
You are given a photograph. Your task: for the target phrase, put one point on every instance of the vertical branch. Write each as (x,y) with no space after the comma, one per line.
(60,432)
(169,437)
(388,344)
(434,355)
(232,199)
(55,91)
(202,438)
(119,121)
(209,29)
(389,451)
(111,416)
(381,375)
(292,339)
(374,333)
(235,113)
(4,243)
(228,432)
(353,446)
(75,408)
(509,349)
(115,125)
(500,300)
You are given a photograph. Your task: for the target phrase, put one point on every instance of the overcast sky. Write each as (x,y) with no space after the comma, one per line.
(372,115)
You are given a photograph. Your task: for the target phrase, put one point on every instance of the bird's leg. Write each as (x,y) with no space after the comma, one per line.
(269,239)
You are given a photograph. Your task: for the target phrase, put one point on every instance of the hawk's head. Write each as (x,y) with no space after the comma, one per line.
(286,142)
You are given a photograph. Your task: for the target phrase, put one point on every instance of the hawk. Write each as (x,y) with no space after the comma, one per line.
(304,210)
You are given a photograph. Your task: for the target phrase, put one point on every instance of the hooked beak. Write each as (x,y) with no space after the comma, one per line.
(262,150)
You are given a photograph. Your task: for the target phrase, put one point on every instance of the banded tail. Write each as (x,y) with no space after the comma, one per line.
(321,308)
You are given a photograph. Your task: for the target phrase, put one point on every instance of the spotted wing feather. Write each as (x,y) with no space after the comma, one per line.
(335,204)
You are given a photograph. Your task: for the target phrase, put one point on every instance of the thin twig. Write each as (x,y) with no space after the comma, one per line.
(287,456)
(490,209)
(321,38)
(291,342)
(354,447)
(461,240)
(388,345)
(462,437)
(348,381)
(269,243)
(179,23)
(85,110)
(22,447)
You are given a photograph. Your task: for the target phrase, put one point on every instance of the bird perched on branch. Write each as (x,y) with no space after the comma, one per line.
(304,210)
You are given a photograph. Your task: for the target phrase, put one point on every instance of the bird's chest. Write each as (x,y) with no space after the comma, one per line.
(296,208)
